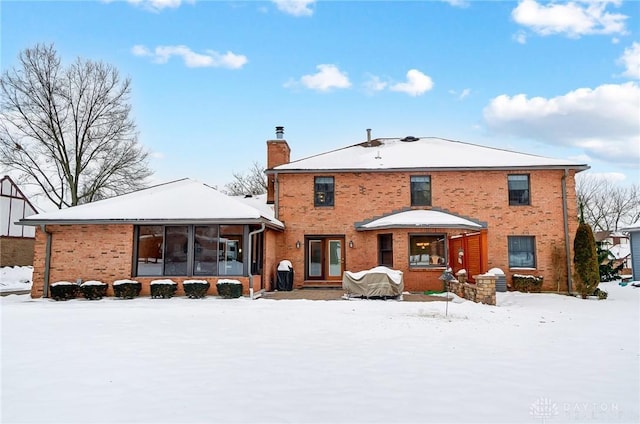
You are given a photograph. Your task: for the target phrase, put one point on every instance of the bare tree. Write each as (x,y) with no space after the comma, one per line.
(606,205)
(252,182)
(68,130)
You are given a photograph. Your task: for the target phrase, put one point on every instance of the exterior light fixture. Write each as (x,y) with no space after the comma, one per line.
(351,244)
(298,244)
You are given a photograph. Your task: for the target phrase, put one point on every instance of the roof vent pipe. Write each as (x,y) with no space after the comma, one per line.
(279,133)
(369,137)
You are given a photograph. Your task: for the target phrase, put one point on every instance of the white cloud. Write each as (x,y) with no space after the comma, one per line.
(574,18)
(461,95)
(520,37)
(630,59)
(211,59)
(295,7)
(155,5)
(457,3)
(327,77)
(614,177)
(374,83)
(416,85)
(602,121)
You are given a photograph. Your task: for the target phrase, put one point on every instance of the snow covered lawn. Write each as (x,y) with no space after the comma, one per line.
(533,358)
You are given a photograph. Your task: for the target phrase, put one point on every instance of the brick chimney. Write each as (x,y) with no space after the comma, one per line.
(278,153)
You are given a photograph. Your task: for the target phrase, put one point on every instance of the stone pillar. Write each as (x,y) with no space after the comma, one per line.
(486,286)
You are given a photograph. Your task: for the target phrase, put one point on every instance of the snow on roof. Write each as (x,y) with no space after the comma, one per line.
(620,251)
(419,219)
(424,152)
(179,201)
(632,227)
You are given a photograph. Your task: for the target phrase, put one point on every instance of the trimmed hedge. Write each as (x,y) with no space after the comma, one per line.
(229,289)
(64,290)
(527,283)
(195,289)
(126,289)
(164,289)
(93,290)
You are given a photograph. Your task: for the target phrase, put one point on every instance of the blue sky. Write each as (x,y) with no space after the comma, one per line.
(211,79)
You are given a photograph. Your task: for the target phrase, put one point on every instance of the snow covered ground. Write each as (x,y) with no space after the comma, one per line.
(533,358)
(13,278)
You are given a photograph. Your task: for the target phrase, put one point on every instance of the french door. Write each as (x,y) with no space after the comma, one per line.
(325,258)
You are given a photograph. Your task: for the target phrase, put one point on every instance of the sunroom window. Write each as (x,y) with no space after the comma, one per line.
(191,250)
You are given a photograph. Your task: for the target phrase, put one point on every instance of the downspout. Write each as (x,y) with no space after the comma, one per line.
(565,214)
(251,234)
(47,261)
(276,200)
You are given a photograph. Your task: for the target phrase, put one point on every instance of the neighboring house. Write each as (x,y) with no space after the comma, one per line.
(419,205)
(617,243)
(179,230)
(634,243)
(16,241)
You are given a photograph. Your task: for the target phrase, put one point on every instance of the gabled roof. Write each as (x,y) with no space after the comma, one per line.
(419,219)
(181,201)
(422,153)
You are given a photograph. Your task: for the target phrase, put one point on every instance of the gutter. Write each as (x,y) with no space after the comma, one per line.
(565,216)
(47,261)
(252,233)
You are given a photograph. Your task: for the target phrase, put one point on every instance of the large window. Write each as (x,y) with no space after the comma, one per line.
(323,191)
(191,250)
(421,190)
(522,252)
(385,250)
(518,190)
(427,250)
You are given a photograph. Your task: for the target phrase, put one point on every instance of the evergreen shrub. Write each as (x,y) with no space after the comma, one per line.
(527,283)
(126,289)
(64,290)
(585,261)
(229,289)
(93,290)
(164,289)
(195,289)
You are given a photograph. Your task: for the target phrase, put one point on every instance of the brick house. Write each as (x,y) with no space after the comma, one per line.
(413,204)
(419,205)
(179,230)
(16,241)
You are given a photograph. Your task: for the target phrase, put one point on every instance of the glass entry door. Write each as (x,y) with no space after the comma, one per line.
(325,258)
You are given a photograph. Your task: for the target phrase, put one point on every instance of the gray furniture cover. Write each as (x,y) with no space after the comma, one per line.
(376,282)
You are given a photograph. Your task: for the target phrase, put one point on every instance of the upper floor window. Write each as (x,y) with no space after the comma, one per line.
(421,190)
(323,191)
(518,189)
(522,252)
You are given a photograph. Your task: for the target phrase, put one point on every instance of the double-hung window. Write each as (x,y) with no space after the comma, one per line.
(518,190)
(522,251)
(420,190)
(323,191)
(385,250)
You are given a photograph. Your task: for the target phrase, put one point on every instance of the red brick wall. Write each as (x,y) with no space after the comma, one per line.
(278,153)
(99,252)
(480,195)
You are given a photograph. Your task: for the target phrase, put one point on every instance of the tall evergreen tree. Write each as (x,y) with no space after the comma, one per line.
(585,259)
